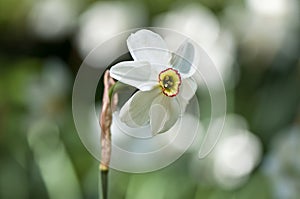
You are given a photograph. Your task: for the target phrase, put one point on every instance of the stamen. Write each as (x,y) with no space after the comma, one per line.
(170,81)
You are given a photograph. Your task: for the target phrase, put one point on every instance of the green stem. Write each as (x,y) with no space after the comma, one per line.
(104,180)
(115,88)
(100,195)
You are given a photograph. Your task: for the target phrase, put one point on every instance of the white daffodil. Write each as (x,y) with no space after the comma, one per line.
(162,77)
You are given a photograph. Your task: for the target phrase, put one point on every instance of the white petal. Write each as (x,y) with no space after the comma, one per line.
(164,113)
(183,59)
(187,91)
(145,45)
(137,74)
(188,88)
(135,112)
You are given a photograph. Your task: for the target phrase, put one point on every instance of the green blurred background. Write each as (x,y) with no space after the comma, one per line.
(253,43)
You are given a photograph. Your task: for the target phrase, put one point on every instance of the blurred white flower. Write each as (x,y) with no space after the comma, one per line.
(234,157)
(103,20)
(271,8)
(282,164)
(48,90)
(164,80)
(53,19)
(263,26)
(201,25)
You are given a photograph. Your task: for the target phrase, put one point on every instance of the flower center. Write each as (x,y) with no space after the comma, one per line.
(170,80)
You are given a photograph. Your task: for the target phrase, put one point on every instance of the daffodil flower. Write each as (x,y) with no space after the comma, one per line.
(164,80)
